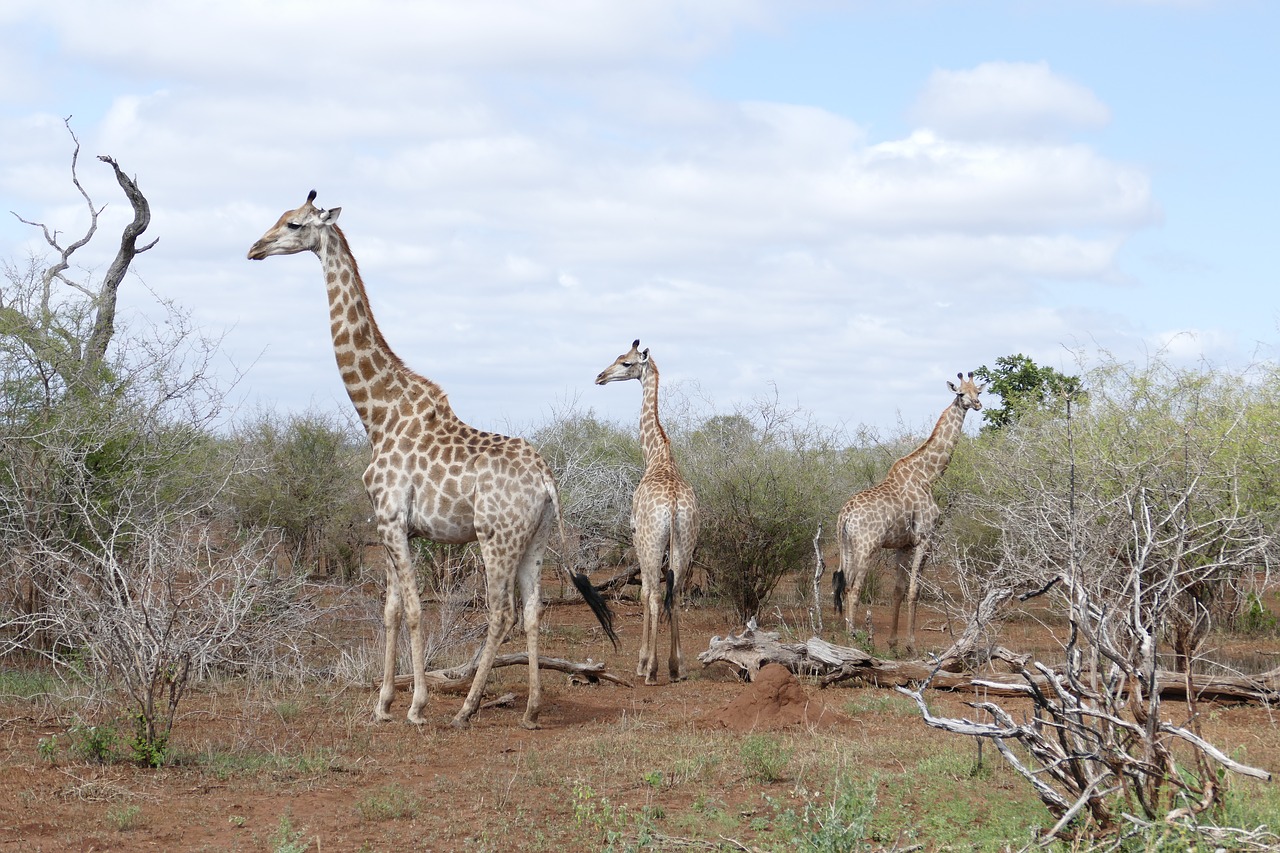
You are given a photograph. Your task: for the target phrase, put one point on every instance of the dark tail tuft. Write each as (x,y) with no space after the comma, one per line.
(837,583)
(669,600)
(598,605)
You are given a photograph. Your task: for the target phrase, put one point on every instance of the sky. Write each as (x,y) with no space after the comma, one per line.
(834,205)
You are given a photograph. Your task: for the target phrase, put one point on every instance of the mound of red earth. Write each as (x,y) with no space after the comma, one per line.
(774,700)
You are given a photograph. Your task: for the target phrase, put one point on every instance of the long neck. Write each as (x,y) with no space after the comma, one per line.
(374,375)
(653,439)
(929,461)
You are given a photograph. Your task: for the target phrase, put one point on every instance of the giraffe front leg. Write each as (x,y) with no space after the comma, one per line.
(913,595)
(899,588)
(397,543)
(390,636)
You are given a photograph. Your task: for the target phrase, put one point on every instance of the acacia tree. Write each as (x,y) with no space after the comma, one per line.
(1025,387)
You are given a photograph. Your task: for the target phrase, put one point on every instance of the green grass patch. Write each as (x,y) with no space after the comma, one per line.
(226,765)
(390,802)
(27,684)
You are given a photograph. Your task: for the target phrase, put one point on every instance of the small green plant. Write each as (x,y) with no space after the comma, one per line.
(125,817)
(237,821)
(653,779)
(96,743)
(764,758)
(288,710)
(286,839)
(47,747)
(599,816)
(389,803)
(1256,619)
(832,824)
(149,750)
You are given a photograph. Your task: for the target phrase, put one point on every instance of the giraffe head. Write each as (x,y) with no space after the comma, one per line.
(630,365)
(967,391)
(297,231)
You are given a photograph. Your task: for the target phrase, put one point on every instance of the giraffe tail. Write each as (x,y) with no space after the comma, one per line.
(581,582)
(838,587)
(669,600)
(598,605)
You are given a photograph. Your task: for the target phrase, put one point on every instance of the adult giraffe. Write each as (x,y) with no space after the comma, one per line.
(899,513)
(432,475)
(664,516)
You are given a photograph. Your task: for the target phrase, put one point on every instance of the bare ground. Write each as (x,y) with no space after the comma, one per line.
(668,767)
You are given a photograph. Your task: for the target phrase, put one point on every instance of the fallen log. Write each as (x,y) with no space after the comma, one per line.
(458,678)
(750,650)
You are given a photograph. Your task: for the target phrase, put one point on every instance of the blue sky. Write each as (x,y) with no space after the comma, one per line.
(840,203)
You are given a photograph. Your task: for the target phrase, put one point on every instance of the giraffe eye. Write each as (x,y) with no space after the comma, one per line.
(294,226)
(627,363)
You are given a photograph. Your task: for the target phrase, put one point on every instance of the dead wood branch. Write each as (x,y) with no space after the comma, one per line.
(750,650)
(459,677)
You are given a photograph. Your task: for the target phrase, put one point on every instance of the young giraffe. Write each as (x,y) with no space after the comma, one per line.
(664,517)
(900,513)
(432,475)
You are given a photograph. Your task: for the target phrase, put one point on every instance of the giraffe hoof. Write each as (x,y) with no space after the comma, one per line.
(651,680)
(531,725)
(460,722)
(380,716)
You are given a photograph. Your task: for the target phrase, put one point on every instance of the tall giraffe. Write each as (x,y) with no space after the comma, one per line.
(432,475)
(664,517)
(899,513)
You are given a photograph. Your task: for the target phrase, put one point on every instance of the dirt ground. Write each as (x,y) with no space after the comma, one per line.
(666,767)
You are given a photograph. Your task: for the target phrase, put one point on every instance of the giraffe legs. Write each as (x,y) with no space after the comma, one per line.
(680,558)
(913,591)
(390,635)
(501,619)
(907,585)
(902,559)
(649,553)
(402,584)
(855,560)
(503,575)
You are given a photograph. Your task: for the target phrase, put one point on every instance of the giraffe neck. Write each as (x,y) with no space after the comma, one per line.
(929,461)
(653,438)
(375,377)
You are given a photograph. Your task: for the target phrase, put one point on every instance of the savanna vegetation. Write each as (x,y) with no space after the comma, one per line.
(160,554)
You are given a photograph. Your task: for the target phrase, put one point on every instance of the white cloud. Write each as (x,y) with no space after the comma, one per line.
(526,192)
(1008,99)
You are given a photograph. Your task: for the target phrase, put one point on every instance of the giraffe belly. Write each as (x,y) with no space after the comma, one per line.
(448,531)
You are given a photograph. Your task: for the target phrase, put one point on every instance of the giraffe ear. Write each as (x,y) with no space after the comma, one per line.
(644,356)
(952,386)
(331,215)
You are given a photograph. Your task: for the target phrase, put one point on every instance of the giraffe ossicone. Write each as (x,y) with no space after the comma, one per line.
(664,518)
(433,476)
(900,514)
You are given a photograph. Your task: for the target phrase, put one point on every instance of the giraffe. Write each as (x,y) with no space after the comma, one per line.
(900,514)
(432,475)
(664,517)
